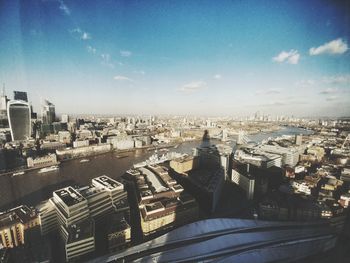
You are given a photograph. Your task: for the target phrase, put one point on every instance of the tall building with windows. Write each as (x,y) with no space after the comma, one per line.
(20,95)
(3,105)
(18,113)
(3,110)
(48,112)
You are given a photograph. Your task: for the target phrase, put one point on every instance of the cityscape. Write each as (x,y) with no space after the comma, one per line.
(174,131)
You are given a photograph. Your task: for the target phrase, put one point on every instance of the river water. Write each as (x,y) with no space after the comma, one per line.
(32,187)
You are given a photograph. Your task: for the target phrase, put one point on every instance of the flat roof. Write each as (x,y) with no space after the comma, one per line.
(90,190)
(69,196)
(107,182)
(21,214)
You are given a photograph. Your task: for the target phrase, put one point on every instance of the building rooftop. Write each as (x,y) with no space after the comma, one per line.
(21,214)
(90,190)
(45,205)
(107,183)
(155,180)
(69,196)
(117,223)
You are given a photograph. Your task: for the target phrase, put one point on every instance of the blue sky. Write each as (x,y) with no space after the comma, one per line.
(179,57)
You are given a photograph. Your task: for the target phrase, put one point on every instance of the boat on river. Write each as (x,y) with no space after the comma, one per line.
(48,169)
(18,173)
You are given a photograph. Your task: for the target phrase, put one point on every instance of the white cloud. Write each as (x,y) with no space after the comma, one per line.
(142,72)
(106,57)
(125,53)
(334,47)
(91,49)
(85,36)
(78,33)
(106,60)
(217,76)
(332,98)
(305,83)
(341,79)
(268,92)
(274,103)
(193,86)
(122,78)
(64,8)
(291,57)
(329,91)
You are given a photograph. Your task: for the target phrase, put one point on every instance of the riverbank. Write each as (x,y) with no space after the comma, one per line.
(33,187)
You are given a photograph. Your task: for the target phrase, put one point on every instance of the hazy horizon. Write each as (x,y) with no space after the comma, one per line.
(182,57)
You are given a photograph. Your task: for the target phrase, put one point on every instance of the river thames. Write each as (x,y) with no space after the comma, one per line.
(32,187)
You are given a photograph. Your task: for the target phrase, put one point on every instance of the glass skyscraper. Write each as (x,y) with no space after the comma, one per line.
(18,113)
(48,112)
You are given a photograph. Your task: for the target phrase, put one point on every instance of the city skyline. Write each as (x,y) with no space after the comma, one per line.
(129,57)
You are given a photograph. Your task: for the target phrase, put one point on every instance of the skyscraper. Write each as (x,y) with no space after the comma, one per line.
(20,95)
(18,113)
(48,112)
(3,107)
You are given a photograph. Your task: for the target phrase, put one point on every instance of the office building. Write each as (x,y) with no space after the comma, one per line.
(47,160)
(162,202)
(18,113)
(258,158)
(114,189)
(208,184)
(244,180)
(79,239)
(13,224)
(48,112)
(298,139)
(80,143)
(3,106)
(121,142)
(47,216)
(98,199)
(71,206)
(118,233)
(290,155)
(64,137)
(344,200)
(59,126)
(69,153)
(20,95)
(64,118)
(214,156)
(184,164)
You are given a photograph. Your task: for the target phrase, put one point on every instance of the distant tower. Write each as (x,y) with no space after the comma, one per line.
(48,112)
(18,113)
(240,137)
(64,118)
(3,104)
(20,95)
(224,135)
(298,139)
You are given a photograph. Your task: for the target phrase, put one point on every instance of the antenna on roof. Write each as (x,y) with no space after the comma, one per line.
(3,89)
